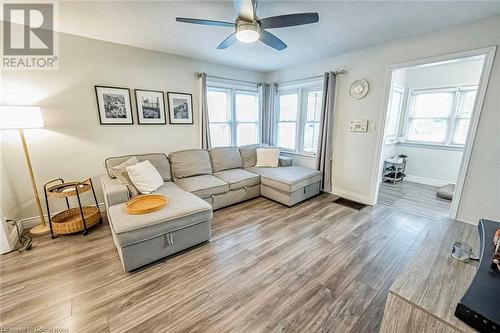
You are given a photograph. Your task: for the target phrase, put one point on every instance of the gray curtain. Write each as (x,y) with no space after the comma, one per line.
(267,95)
(205,126)
(325,143)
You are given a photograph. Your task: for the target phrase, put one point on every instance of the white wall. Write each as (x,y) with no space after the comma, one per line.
(354,162)
(444,75)
(73,145)
(8,200)
(430,166)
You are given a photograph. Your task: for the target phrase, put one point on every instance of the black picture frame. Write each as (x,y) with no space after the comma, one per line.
(171,114)
(137,108)
(100,111)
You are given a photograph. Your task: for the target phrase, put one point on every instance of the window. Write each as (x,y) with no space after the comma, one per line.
(464,112)
(233,116)
(311,124)
(393,112)
(440,116)
(287,123)
(297,119)
(219,116)
(247,118)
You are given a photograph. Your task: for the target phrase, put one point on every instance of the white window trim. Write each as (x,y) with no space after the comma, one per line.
(410,102)
(233,89)
(301,89)
(392,139)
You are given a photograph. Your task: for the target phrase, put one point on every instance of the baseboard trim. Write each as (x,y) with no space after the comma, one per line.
(30,222)
(426,181)
(361,198)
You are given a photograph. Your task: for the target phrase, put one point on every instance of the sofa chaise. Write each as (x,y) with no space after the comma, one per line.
(196,182)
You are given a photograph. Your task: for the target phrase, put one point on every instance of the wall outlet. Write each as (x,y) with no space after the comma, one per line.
(372,126)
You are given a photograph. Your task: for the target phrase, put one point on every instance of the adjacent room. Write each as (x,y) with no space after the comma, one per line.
(250,166)
(430,107)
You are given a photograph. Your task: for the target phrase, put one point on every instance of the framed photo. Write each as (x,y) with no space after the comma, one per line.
(113,105)
(180,108)
(150,107)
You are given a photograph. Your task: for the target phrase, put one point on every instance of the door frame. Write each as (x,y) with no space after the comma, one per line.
(489,55)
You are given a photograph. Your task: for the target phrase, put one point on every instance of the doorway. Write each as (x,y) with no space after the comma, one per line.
(431,115)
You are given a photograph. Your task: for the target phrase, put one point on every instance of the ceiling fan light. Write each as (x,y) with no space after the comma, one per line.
(247,33)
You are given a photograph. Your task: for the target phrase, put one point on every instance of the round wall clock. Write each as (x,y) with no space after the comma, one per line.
(359,89)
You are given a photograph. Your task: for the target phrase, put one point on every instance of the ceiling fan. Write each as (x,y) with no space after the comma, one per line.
(249,28)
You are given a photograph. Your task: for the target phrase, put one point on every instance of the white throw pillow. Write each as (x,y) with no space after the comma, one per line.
(267,157)
(145,177)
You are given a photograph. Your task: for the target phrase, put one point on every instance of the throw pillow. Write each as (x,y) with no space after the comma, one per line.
(267,157)
(145,177)
(120,172)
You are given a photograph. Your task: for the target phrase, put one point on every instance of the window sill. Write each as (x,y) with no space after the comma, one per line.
(429,146)
(285,152)
(388,142)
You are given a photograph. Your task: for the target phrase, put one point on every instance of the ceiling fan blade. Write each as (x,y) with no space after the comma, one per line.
(290,20)
(245,9)
(230,40)
(271,40)
(204,22)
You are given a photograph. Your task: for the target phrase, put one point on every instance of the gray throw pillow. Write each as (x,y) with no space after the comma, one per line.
(120,172)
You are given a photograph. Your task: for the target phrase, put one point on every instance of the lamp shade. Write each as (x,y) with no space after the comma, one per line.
(20,117)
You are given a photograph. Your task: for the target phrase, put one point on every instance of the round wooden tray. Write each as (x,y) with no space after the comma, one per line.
(65,190)
(143,204)
(70,221)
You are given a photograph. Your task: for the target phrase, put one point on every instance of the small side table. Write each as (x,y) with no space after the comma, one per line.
(74,219)
(394,169)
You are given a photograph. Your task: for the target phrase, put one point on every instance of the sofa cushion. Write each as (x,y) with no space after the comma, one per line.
(225,158)
(145,177)
(159,161)
(267,157)
(238,178)
(120,172)
(249,155)
(287,179)
(114,191)
(203,186)
(183,209)
(188,163)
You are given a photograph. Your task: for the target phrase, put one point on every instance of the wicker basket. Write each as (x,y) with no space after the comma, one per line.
(70,221)
(66,190)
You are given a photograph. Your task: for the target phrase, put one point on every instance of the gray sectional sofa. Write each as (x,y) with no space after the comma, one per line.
(196,182)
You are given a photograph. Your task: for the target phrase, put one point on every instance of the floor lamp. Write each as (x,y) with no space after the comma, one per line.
(21,118)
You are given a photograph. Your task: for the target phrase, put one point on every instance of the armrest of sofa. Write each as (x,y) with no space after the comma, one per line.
(285,161)
(114,191)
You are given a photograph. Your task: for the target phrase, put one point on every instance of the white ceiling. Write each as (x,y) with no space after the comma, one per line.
(343,26)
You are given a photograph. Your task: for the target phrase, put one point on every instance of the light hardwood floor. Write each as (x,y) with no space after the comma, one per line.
(414,198)
(317,266)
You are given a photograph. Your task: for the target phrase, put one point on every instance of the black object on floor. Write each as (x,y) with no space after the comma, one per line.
(349,203)
(479,307)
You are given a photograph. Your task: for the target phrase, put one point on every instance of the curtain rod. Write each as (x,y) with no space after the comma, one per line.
(228,78)
(312,77)
(282,82)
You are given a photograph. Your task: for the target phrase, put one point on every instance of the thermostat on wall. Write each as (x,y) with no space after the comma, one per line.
(358,125)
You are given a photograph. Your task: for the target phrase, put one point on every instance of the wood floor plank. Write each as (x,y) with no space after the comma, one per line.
(372,317)
(414,198)
(317,266)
